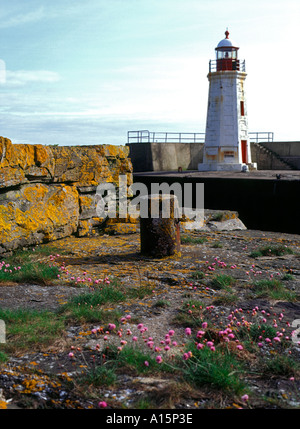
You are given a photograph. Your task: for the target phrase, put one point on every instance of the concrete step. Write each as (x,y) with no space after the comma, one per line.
(286,164)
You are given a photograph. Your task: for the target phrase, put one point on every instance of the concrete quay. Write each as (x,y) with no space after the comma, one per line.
(265,199)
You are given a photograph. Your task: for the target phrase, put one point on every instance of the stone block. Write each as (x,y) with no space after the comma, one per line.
(48,192)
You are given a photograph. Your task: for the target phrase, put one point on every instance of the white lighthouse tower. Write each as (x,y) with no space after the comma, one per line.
(227,145)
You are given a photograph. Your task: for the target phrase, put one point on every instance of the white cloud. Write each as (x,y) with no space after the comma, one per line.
(23,77)
(22,18)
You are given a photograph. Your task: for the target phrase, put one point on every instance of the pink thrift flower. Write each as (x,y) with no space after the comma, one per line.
(102,404)
(158,359)
(188,331)
(239,347)
(245,398)
(146,363)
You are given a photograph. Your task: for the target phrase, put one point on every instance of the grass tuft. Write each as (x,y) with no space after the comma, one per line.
(272,251)
(222,281)
(219,369)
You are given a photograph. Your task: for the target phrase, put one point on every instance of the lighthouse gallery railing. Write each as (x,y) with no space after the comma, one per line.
(227,65)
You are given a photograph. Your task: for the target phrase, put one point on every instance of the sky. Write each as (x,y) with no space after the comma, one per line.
(87,72)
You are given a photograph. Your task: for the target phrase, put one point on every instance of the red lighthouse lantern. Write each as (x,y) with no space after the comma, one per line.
(227,55)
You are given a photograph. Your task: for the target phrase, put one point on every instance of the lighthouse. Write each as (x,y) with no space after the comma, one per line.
(227,146)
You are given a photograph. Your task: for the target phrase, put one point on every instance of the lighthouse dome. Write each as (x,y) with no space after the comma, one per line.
(226,43)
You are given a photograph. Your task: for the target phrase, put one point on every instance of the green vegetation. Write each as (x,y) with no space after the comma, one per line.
(215,351)
(273,289)
(28,266)
(188,239)
(26,329)
(197,275)
(189,313)
(3,357)
(219,369)
(280,365)
(217,217)
(161,303)
(134,359)
(222,281)
(30,272)
(278,250)
(217,245)
(226,299)
(98,376)
(287,277)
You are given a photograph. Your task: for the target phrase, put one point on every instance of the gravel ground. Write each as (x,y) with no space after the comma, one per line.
(173,280)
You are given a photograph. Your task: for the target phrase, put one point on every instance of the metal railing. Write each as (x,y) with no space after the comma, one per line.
(227,65)
(145,136)
(261,136)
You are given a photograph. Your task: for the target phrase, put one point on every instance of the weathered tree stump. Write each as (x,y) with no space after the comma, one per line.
(159,227)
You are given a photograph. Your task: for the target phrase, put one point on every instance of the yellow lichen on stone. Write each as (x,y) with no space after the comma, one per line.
(121,228)
(35,192)
(49,192)
(5,220)
(86,201)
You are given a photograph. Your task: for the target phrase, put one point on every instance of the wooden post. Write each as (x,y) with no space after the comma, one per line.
(159,232)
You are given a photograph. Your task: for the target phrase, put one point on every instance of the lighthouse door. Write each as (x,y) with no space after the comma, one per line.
(244,151)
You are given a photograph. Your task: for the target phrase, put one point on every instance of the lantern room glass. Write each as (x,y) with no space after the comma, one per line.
(226,53)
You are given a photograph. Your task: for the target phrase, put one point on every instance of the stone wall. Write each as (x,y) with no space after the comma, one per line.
(159,156)
(48,192)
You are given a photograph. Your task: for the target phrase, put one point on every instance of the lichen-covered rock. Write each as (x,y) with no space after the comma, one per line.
(48,192)
(22,163)
(37,213)
(91,165)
